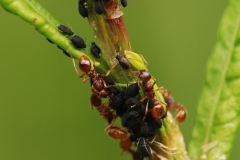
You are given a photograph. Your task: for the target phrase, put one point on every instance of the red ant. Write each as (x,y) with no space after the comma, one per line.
(120,134)
(114,131)
(148,86)
(157,110)
(99,86)
(107,112)
(172,105)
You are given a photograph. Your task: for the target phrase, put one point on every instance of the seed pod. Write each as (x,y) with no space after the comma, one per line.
(78,42)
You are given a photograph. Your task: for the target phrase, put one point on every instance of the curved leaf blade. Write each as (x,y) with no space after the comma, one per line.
(219,107)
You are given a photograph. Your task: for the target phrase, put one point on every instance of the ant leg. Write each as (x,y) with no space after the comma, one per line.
(105,84)
(85,79)
(74,65)
(139,83)
(143,98)
(146,63)
(146,111)
(153,78)
(109,71)
(160,89)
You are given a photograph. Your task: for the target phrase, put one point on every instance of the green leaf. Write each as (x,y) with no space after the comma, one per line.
(219,106)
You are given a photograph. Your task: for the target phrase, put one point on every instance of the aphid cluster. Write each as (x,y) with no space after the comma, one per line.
(141,116)
(99,6)
(77,41)
(141,113)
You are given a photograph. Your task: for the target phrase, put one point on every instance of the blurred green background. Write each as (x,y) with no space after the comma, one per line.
(44,107)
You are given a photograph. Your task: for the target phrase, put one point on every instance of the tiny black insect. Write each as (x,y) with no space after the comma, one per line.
(131,120)
(143,147)
(81,9)
(132,90)
(117,101)
(108,80)
(66,53)
(95,50)
(65,30)
(78,42)
(49,40)
(157,123)
(131,102)
(113,91)
(144,130)
(99,7)
(124,3)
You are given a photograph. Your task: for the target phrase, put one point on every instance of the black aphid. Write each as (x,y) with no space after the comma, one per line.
(65,30)
(143,148)
(49,40)
(82,9)
(132,90)
(78,42)
(131,103)
(124,3)
(99,7)
(65,52)
(95,50)
(117,101)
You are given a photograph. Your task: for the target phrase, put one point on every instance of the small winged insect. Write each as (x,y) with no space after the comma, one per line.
(124,3)
(95,50)
(82,9)
(99,7)
(124,63)
(65,30)
(78,42)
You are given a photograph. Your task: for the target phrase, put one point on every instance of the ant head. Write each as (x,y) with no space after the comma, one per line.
(84,64)
(144,75)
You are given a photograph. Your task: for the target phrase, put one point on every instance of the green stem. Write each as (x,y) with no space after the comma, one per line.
(112,36)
